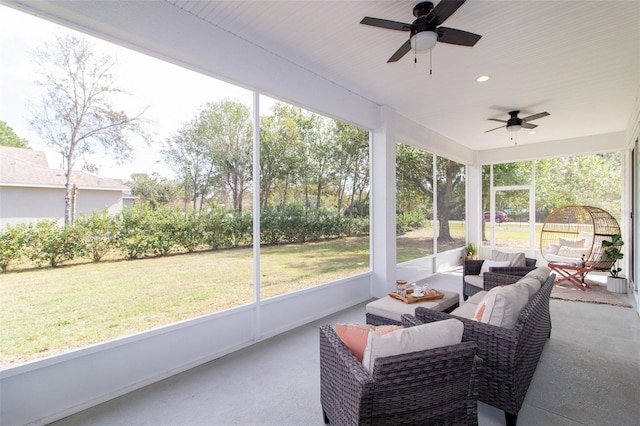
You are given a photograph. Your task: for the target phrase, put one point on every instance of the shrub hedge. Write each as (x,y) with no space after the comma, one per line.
(142,231)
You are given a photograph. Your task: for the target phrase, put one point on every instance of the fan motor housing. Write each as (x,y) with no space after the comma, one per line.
(422,9)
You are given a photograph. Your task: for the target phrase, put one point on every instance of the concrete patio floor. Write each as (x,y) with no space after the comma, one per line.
(589,374)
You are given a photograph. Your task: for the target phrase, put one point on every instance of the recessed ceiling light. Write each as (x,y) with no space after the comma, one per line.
(533,132)
(483,78)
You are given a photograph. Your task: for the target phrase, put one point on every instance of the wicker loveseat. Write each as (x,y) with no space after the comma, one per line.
(510,355)
(435,386)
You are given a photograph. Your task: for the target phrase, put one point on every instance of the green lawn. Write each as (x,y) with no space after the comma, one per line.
(48,311)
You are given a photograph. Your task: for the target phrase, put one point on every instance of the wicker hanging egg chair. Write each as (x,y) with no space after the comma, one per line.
(574,234)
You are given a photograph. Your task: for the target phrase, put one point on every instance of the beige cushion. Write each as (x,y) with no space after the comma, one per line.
(531,284)
(419,338)
(568,242)
(515,259)
(541,273)
(474,280)
(493,263)
(477,298)
(467,310)
(388,307)
(502,305)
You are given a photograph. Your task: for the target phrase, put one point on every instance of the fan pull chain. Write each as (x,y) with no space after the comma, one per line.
(430,63)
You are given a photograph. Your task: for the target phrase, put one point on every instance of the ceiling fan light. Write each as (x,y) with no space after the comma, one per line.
(514,128)
(424,40)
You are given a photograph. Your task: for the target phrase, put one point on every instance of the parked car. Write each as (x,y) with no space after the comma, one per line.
(500,216)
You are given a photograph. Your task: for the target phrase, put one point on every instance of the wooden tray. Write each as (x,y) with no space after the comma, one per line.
(410,299)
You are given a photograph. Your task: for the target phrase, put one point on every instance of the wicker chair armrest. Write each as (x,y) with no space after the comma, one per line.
(512,270)
(492,279)
(426,315)
(471,267)
(408,320)
(530,262)
(339,366)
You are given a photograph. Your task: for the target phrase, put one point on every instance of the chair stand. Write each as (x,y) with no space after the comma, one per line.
(510,419)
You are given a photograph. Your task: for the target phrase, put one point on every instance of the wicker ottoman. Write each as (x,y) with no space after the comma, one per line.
(388,310)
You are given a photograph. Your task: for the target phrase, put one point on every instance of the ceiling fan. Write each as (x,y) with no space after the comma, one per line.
(516,123)
(426,30)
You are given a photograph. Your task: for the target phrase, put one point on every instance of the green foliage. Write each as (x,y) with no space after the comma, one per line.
(472,249)
(216,225)
(188,231)
(163,225)
(410,220)
(9,138)
(135,239)
(12,244)
(98,232)
(613,251)
(54,244)
(146,231)
(154,189)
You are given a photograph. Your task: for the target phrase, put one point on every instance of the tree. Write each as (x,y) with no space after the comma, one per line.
(213,152)
(9,138)
(154,189)
(281,152)
(450,180)
(414,180)
(352,166)
(231,129)
(76,116)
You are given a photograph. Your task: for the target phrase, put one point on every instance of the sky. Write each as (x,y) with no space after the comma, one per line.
(173,94)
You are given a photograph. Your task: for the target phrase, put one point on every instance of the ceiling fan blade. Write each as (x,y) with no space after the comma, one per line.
(501,127)
(385,23)
(528,125)
(443,10)
(535,116)
(404,49)
(459,37)
(496,119)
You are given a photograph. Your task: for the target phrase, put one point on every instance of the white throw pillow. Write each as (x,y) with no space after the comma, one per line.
(553,249)
(587,236)
(531,284)
(493,263)
(515,259)
(502,305)
(568,242)
(574,252)
(412,339)
(541,273)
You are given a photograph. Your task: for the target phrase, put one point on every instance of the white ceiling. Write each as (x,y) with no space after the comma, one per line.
(578,60)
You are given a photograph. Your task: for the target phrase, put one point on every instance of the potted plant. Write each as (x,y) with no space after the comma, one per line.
(613,252)
(472,251)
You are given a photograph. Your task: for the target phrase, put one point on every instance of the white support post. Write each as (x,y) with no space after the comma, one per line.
(383,205)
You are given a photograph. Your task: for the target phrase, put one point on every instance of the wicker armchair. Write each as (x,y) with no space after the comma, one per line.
(418,388)
(510,355)
(473,267)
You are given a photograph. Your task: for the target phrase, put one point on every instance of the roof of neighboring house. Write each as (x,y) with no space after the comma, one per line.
(27,167)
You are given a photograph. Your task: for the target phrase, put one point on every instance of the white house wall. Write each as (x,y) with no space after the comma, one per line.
(20,204)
